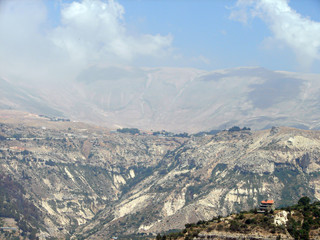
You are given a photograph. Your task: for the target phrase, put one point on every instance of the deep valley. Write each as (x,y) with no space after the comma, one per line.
(85,182)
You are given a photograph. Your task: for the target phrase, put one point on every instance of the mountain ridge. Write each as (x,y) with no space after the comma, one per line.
(189,100)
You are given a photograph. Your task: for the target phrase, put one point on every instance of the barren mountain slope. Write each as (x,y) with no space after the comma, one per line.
(70,173)
(89,183)
(173,99)
(218,175)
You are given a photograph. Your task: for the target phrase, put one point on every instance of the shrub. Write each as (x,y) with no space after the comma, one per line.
(234,226)
(220,227)
(200,222)
(209,229)
(250,221)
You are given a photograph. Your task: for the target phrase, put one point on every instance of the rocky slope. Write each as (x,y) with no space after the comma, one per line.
(217,175)
(70,174)
(89,183)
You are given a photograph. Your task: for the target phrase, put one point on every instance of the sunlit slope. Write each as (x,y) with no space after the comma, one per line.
(87,182)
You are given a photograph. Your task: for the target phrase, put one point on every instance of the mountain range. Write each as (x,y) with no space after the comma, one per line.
(173,99)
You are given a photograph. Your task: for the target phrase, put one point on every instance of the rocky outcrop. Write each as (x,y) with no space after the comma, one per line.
(90,183)
(281,218)
(71,175)
(228,172)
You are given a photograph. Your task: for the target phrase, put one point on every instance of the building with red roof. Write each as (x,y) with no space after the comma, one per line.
(266,206)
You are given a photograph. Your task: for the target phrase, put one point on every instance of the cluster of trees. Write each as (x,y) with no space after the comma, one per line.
(132,131)
(184,135)
(211,132)
(310,219)
(237,129)
(306,217)
(17,136)
(163,133)
(170,134)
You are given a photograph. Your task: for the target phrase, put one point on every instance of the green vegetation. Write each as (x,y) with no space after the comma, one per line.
(163,133)
(304,218)
(212,132)
(183,135)
(170,134)
(17,136)
(237,129)
(303,222)
(132,131)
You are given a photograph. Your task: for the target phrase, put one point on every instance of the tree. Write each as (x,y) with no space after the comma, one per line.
(158,236)
(234,129)
(129,130)
(304,201)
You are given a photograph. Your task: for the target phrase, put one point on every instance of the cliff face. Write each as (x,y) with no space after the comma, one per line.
(89,183)
(225,173)
(70,175)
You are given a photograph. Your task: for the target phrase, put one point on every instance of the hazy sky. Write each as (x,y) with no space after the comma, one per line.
(54,38)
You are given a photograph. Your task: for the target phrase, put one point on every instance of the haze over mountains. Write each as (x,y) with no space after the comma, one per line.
(73,70)
(174,99)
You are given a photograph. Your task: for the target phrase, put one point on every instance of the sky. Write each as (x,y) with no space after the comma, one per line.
(56,39)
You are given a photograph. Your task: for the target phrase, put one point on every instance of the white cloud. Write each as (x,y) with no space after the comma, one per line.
(95,30)
(21,42)
(89,32)
(299,33)
(240,12)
